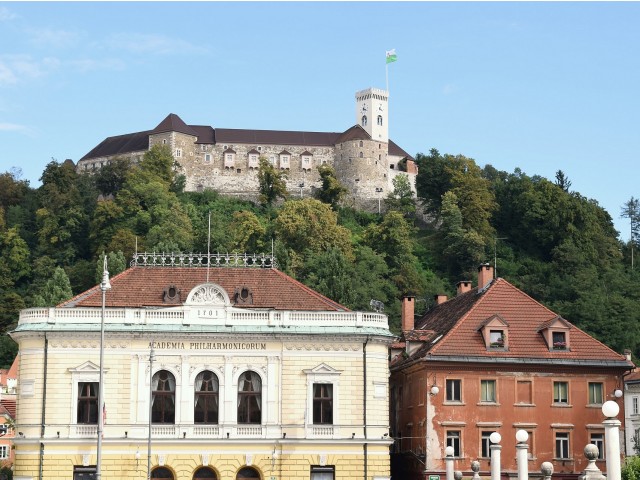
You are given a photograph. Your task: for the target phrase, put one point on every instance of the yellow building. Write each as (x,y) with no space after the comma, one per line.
(231,372)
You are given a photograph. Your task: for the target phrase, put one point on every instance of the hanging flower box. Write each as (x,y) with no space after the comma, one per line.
(559,345)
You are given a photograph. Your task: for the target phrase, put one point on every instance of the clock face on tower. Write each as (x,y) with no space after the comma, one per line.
(380,108)
(364,108)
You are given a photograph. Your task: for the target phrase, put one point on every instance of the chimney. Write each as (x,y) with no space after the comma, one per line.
(627,354)
(408,309)
(463,286)
(440,298)
(485,275)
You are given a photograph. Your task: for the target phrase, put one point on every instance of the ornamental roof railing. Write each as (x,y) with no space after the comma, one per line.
(204,260)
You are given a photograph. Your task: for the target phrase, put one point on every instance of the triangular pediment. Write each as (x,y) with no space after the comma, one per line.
(86,367)
(323,369)
(494,321)
(556,322)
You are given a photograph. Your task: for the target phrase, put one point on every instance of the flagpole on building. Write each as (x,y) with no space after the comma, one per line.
(104,286)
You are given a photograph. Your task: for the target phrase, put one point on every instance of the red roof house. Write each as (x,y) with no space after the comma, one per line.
(499,361)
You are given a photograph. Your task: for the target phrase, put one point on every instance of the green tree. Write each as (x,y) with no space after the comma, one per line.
(272,183)
(56,290)
(631,210)
(563,181)
(14,258)
(332,191)
(402,198)
(246,232)
(116,263)
(631,468)
(310,225)
(112,176)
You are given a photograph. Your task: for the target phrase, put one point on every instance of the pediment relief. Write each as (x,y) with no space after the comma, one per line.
(322,369)
(208,294)
(86,367)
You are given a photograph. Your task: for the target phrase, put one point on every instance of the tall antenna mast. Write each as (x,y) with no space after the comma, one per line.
(209,247)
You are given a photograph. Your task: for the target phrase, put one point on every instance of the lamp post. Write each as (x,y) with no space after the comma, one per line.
(610,409)
(521,454)
(104,286)
(448,460)
(495,448)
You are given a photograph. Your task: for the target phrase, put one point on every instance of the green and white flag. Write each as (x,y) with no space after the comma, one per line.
(391,55)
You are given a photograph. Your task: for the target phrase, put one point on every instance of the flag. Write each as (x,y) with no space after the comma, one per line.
(391,55)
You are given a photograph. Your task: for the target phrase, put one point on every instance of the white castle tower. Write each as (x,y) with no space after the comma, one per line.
(372,113)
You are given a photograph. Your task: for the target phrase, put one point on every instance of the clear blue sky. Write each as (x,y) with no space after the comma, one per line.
(539,86)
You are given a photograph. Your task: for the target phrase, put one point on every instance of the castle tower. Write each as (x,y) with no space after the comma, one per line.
(372,113)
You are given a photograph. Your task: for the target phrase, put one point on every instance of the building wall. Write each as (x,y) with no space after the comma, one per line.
(632,415)
(542,418)
(286,366)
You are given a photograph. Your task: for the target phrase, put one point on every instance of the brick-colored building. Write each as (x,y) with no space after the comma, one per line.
(365,159)
(500,361)
(255,376)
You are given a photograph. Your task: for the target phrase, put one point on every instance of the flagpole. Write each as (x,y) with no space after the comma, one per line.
(104,286)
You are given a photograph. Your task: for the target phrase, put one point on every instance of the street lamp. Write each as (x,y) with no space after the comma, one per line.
(104,286)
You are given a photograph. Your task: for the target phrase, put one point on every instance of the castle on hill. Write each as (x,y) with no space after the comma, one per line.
(226,160)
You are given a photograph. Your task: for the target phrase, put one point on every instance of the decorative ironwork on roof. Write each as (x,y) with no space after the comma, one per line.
(204,260)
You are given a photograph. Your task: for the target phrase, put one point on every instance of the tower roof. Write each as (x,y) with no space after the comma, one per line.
(173,123)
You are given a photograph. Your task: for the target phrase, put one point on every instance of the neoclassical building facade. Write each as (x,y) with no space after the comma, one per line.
(231,372)
(365,159)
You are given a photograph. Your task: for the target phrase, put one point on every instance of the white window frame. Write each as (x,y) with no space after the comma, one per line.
(453,437)
(634,405)
(4,452)
(178,152)
(253,160)
(592,398)
(560,399)
(285,161)
(323,373)
(561,444)
(454,381)
(229,160)
(484,395)
(597,438)
(88,372)
(207,157)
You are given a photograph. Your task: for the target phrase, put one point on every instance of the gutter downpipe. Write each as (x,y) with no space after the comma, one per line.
(364,414)
(44,404)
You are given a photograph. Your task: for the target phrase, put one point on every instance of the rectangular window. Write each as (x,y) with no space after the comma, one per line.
(634,405)
(4,429)
(485,443)
(178,153)
(559,340)
(562,445)
(454,391)
(322,403)
(488,391)
(524,392)
(453,440)
(4,451)
(496,339)
(598,440)
(595,393)
(323,473)
(560,392)
(207,157)
(84,473)
(87,403)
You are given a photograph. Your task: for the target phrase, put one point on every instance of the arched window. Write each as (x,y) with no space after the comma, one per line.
(247,472)
(161,473)
(206,398)
(361,155)
(364,120)
(163,398)
(361,144)
(204,473)
(379,119)
(249,399)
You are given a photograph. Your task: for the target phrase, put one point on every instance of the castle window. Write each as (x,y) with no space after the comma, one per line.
(178,153)
(238,170)
(253,161)
(164,141)
(361,155)
(379,157)
(364,120)
(207,157)
(361,143)
(203,148)
(284,160)
(229,158)
(380,120)
(306,162)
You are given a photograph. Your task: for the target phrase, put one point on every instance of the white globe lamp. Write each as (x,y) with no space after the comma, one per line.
(435,390)
(495,437)
(522,436)
(610,409)
(449,451)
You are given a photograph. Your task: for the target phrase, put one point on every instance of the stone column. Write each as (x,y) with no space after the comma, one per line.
(448,461)
(495,455)
(521,454)
(475,468)
(592,472)
(611,425)
(547,470)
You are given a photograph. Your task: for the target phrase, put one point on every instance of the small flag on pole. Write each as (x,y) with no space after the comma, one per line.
(391,55)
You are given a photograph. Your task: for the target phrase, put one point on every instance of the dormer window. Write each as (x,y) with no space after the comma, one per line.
(495,331)
(556,334)
(229,158)
(559,340)
(284,159)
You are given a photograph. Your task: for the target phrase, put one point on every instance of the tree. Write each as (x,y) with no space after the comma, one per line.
(332,191)
(311,225)
(56,290)
(562,181)
(402,199)
(246,232)
(271,182)
(631,210)
(116,263)
(112,176)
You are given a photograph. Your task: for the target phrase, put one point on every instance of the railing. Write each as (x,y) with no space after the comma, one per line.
(190,315)
(204,260)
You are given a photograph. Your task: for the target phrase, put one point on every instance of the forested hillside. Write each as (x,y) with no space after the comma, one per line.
(556,245)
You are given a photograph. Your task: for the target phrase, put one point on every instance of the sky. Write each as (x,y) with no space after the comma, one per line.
(537,86)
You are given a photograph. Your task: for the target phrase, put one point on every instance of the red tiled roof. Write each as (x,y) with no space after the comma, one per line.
(457,321)
(354,133)
(10,406)
(13,370)
(144,287)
